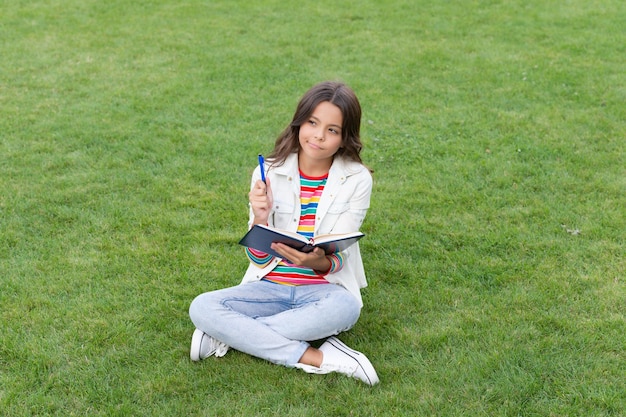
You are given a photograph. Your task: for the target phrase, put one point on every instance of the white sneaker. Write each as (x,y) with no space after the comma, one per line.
(340,358)
(203,346)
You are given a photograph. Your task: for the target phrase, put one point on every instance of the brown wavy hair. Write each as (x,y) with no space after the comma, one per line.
(341,96)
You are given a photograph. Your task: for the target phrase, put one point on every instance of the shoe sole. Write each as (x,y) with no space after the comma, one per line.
(361,359)
(196,344)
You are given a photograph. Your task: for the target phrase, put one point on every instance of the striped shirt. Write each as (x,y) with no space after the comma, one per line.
(286,273)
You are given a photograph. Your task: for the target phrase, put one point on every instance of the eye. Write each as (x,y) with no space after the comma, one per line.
(312,122)
(334,131)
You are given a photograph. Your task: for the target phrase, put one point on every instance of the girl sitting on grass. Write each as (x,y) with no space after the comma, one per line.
(316,184)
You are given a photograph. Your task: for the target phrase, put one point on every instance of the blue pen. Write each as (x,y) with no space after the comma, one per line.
(262,166)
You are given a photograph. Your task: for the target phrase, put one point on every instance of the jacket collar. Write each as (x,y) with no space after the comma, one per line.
(341,168)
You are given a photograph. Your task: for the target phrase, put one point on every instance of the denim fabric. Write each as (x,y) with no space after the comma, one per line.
(274,321)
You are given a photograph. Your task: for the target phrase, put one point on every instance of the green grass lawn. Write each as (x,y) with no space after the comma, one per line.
(495,245)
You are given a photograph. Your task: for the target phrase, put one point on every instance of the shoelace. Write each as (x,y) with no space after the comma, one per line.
(220,349)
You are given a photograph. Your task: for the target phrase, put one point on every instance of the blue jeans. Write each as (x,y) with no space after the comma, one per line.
(274,321)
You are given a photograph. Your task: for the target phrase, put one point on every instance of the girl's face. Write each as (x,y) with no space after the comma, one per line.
(320,136)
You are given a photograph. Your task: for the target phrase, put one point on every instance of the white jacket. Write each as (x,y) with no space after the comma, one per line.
(341,209)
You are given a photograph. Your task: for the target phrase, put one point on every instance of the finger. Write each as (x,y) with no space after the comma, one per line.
(285,250)
(259,187)
(268,189)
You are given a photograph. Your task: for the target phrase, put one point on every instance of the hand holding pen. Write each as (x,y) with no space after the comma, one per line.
(260,196)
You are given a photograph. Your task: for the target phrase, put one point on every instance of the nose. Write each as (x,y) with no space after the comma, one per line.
(320,134)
